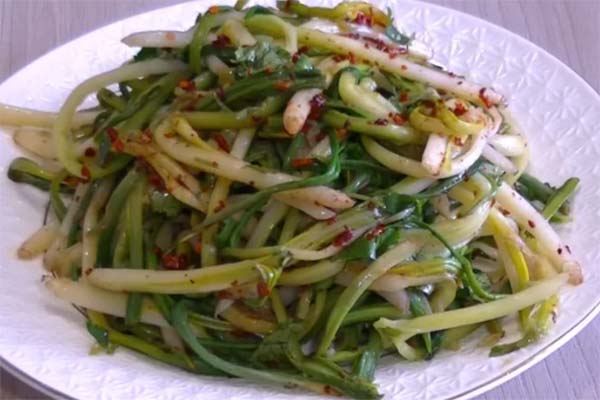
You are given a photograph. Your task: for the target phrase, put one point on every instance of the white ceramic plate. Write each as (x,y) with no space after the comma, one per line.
(45,340)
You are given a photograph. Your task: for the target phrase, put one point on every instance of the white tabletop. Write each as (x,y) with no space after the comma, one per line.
(569,29)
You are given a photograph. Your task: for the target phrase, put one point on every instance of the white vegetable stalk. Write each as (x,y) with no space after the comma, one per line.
(509,145)
(160,39)
(222,164)
(391,282)
(171,338)
(367,101)
(62,136)
(272,216)
(89,251)
(237,33)
(18,116)
(434,153)
(36,141)
(414,168)
(87,296)
(411,186)
(298,109)
(405,329)
(38,242)
(533,222)
(499,160)
(219,68)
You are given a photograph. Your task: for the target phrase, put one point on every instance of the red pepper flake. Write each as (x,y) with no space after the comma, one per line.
(71,181)
(90,152)
(398,119)
(320,136)
(146,136)
(296,55)
(404,97)
(302,162)
(283,85)
(220,93)
(263,289)
(316,106)
(307,125)
(343,238)
(363,19)
(559,250)
(223,295)
(352,58)
(269,70)
(85,174)
(170,135)
(186,85)
(378,230)
(214,164)
(170,36)
(258,120)
(198,247)
(459,83)
(341,133)
(394,52)
(486,102)
(88,271)
(173,262)
(156,181)
(331,221)
(220,206)
(339,58)
(531,224)
(403,67)
(222,142)
(381,121)
(459,109)
(213,10)
(428,104)
(568,248)
(504,211)
(221,42)
(118,145)
(158,252)
(112,134)
(458,141)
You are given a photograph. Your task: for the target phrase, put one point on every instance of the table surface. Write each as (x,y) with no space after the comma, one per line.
(569,29)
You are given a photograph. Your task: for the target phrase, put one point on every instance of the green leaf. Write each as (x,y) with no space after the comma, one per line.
(395,203)
(361,249)
(273,349)
(396,36)
(99,333)
(165,203)
(257,10)
(261,55)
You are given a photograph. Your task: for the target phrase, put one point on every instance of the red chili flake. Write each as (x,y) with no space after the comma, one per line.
(221,41)
(258,120)
(404,97)
(88,271)
(331,221)
(157,252)
(220,93)
(90,152)
(170,36)
(283,85)
(198,247)
(118,145)
(568,248)
(179,179)
(398,119)
(394,52)
(504,211)
(352,58)
(320,136)
(403,67)
(442,92)
(296,55)
(363,19)
(213,10)
(459,83)
(343,238)
(559,250)
(146,136)
(71,181)
(173,262)
(220,206)
(112,134)
(269,70)
(214,164)
(222,142)
(339,58)
(458,141)
(302,162)
(156,181)
(316,106)
(341,133)
(459,109)
(486,102)
(85,174)
(378,230)
(531,224)
(307,125)
(381,121)
(223,294)
(428,103)
(262,289)
(186,85)
(170,135)
(451,74)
